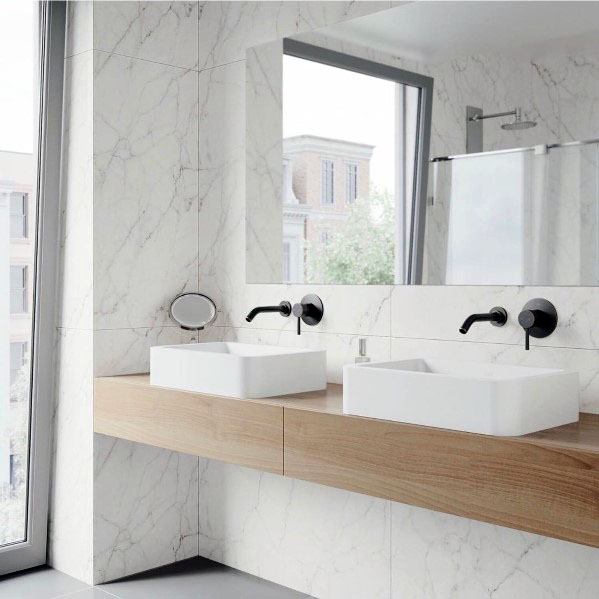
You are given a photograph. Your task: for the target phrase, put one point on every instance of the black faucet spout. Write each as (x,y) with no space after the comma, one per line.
(496,316)
(284,309)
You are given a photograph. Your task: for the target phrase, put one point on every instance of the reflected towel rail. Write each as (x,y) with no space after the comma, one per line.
(541,148)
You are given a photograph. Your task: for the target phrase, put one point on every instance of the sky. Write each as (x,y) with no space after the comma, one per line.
(16,75)
(332,102)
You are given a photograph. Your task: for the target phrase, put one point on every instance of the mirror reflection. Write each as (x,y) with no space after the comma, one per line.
(436,143)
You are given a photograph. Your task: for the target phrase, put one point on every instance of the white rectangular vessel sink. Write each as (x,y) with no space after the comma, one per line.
(489,399)
(238,369)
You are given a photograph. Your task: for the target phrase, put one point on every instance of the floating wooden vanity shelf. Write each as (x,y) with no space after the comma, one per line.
(546,483)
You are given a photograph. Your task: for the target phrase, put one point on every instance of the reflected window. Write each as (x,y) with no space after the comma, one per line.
(18,289)
(354,147)
(351,184)
(327,182)
(18,215)
(18,351)
(286,262)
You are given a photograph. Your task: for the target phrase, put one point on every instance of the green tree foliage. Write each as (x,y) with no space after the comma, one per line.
(361,250)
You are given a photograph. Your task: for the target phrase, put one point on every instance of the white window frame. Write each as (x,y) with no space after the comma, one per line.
(327,177)
(51,36)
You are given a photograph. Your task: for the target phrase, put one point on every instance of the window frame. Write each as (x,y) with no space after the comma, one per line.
(417,205)
(51,44)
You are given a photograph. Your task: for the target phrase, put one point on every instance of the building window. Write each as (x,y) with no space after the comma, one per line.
(325,238)
(16,477)
(18,215)
(286,261)
(327,182)
(18,289)
(351,184)
(18,352)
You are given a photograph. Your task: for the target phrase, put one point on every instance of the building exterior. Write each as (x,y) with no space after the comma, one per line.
(322,177)
(17,244)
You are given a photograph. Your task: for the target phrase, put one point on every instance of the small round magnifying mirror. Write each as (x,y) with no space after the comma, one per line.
(193,311)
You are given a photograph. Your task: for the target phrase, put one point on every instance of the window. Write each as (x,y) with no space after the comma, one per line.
(351,185)
(286,262)
(327,182)
(325,238)
(18,351)
(16,474)
(32,51)
(18,289)
(18,215)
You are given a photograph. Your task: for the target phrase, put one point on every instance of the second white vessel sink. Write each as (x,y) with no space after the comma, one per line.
(240,370)
(490,399)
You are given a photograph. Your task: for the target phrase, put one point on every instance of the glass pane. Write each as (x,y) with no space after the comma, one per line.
(17,251)
(345,198)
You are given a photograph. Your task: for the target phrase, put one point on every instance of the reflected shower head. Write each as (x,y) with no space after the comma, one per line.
(518,124)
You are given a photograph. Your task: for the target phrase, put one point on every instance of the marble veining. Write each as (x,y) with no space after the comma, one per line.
(145,507)
(318,540)
(165,32)
(163,156)
(439,556)
(145,190)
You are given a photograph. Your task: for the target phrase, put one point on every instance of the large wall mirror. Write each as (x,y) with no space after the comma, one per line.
(434,143)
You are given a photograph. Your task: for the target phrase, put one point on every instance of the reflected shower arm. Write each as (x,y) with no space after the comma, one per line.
(481,117)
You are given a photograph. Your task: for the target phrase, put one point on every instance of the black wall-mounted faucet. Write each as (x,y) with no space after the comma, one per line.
(284,309)
(496,316)
(310,310)
(538,319)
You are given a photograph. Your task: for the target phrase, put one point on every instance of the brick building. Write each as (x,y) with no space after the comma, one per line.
(322,177)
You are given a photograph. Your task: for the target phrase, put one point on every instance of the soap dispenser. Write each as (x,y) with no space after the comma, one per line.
(362,357)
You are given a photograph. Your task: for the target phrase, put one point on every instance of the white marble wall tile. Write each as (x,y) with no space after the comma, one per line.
(145,190)
(313,15)
(576,80)
(79,33)
(127,351)
(264,163)
(341,348)
(583,361)
(353,310)
(436,312)
(227,29)
(145,507)
(70,539)
(318,540)
(75,296)
(438,556)
(165,32)
(222,184)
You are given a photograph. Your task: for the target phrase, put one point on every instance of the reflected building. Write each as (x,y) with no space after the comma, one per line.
(322,177)
(17,243)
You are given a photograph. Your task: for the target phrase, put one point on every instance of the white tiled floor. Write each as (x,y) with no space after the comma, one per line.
(195,578)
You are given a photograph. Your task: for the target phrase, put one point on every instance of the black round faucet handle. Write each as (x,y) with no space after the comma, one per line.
(538,318)
(527,318)
(298,310)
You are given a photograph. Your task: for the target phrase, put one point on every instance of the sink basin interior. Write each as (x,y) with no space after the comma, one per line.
(245,350)
(463,369)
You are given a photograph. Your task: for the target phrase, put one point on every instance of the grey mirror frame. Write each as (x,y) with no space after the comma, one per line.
(202,324)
